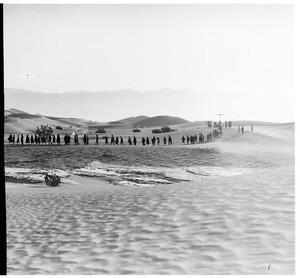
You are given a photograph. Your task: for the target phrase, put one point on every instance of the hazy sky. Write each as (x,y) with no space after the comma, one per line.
(244,49)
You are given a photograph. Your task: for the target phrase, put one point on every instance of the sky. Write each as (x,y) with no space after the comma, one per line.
(240,49)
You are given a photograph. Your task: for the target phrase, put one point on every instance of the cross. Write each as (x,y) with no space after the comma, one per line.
(220,115)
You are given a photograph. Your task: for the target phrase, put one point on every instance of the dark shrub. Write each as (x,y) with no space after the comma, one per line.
(59,127)
(156,131)
(165,129)
(100,130)
(136,130)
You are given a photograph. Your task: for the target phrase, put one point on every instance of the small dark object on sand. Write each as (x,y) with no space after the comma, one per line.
(52,180)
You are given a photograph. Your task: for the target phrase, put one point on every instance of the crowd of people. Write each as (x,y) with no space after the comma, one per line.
(35,139)
(133,141)
(51,139)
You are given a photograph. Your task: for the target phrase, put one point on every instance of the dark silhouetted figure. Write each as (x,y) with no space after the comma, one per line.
(147,141)
(170,140)
(134,140)
(58,139)
(129,140)
(13,139)
(121,140)
(106,140)
(27,139)
(18,139)
(66,139)
(49,140)
(112,140)
(22,139)
(97,140)
(182,140)
(242,130)
(31,140)
(158,141)
(143,141)
(117,140)
(153,141)
(252,128)
(53,139)
(9,139)
(165,141)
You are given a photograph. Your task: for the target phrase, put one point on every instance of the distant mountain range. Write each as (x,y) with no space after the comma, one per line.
(106,106)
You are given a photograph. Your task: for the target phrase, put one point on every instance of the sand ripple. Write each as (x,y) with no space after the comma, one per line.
(229,225)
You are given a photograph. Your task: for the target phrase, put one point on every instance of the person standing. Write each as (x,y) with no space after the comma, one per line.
(97,140)
(170,140)
(22,139)
(157,140)
(242,130)
(58,139)
(121,140)
(18,139)
(106,140)
(153,140)
(27,139)
(134,140)
(165,141)
(112,140)
(129,140)
(9,139)
(252,128)
(49,139)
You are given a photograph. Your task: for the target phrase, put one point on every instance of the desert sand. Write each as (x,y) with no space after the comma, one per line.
(241,224)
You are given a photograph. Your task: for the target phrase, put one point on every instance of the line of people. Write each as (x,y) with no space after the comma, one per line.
(133,141)
(194,139)
(112,140)
(36,139)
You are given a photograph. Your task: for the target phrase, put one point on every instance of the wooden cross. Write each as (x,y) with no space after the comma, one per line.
(220,115)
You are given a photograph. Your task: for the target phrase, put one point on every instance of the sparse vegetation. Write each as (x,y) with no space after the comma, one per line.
(100,130)
(163,129)
(59,127)
(166,129)
(136,130)
(156,131)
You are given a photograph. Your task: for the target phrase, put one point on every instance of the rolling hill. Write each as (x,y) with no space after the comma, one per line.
(160,121)
(17,121)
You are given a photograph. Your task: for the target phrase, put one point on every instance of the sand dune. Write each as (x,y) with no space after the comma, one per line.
(285,132)
(233,225)
(17,121)
(242,224)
